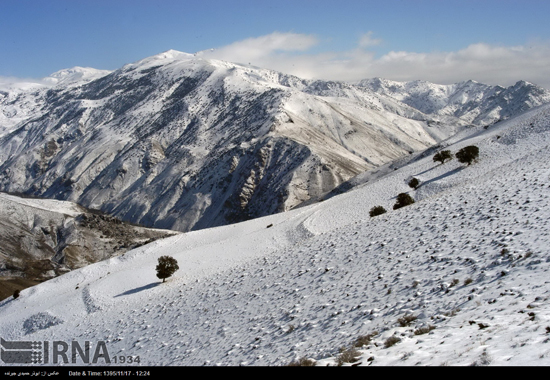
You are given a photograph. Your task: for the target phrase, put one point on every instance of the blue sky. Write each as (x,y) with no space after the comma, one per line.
(444,41)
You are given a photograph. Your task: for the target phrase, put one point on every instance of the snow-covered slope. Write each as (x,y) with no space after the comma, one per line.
(18,102)
(24,100)
(43,238)
(176,141)
(468,262)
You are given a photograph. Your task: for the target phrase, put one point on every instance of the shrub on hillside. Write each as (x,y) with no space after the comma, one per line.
(414,183)
(403,199)
(443,156)
(364,340)
(468,154)
(406,320)
(347,355)
(166,267)
(391,341)
(424,330)
(302,362)
(377,210)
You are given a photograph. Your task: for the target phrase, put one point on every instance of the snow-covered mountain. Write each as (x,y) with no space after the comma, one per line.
(23,100)
(460,277)
(42,238)
(74,76)
(176,141)
(471,101)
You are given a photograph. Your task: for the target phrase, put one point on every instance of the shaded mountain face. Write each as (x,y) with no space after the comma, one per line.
(41,239)
(178,142)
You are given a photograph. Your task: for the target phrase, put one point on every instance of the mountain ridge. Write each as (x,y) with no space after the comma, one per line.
(179,142)
(461,99)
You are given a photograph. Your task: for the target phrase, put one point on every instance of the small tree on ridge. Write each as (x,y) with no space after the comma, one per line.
(414,183)
(377,210)
(166,267)
(468,154)
(443,156)
(403,199)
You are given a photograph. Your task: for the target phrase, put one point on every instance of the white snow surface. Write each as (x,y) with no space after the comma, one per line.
(48,205)
(74,76)
(470,258)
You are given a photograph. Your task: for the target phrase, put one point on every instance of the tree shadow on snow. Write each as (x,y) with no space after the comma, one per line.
(449,173)
(427,170)
(137,290)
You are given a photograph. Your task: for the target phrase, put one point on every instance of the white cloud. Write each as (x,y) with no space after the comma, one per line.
(12,83)
(257,49)
(289,52)
(366,40)
(482,62)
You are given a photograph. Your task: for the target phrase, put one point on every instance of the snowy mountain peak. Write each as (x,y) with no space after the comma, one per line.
(522,83)
(170,55)
(77,74)
(174,54)
(163,58)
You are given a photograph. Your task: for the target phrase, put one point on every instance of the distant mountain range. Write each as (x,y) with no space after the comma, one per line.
(179,142)
(471,101)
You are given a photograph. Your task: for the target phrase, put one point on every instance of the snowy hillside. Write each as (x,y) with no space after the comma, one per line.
(18,102)
(458,278)
(21,101)
(44,238)
(180,142)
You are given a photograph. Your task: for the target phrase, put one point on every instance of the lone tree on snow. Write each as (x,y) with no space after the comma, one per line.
(443,156)
(377,210)
(414,183)
(468,154)
(166,267)
(403,199)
